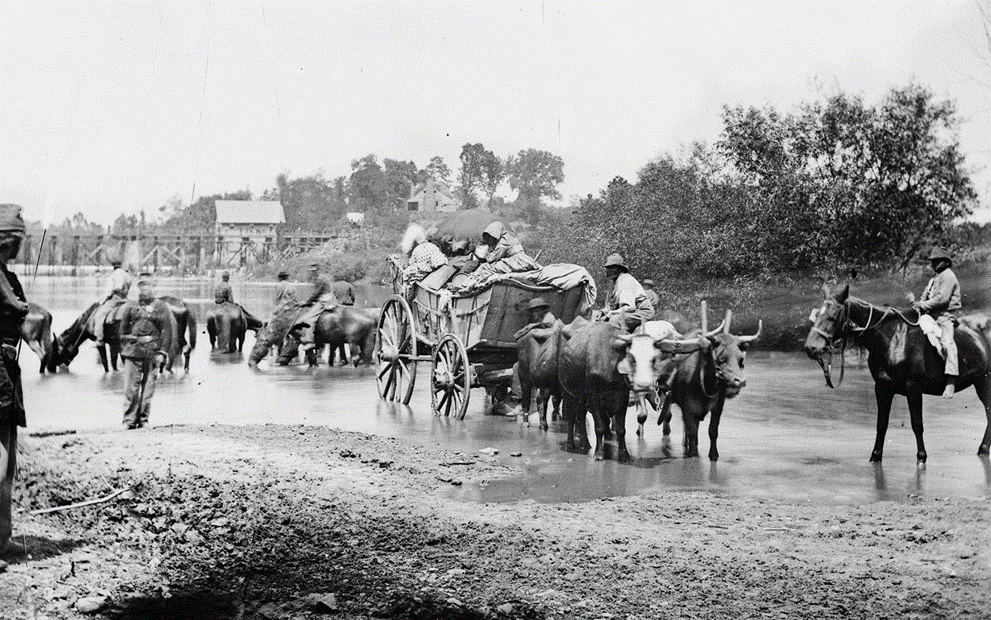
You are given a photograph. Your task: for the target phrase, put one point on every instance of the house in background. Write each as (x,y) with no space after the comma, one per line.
(432,196)
(246,229)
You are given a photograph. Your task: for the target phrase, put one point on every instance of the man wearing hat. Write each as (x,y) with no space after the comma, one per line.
(223,292)
(322,298)
(13,308)
(284,290)
(146,328)
(540,316)
(116,294)
(941,300)
(628,304)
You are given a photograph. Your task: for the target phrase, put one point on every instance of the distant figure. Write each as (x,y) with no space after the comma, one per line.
(284,291)
(322,298)
(941,300)
(146,333)
(343,292)
(13,309)
(655,299)
(223,291)
(115,295)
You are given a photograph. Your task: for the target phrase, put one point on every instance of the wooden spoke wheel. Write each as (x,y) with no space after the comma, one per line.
(395,352)
(450,379)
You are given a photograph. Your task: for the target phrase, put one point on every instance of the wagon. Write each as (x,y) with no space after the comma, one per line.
(468,340)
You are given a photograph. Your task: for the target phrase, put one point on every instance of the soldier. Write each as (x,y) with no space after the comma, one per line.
(116,294)
(343,292)
(223,291)
(146,333)
(13,308)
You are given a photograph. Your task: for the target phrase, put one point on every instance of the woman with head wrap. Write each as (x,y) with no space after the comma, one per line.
(505,253)
(424,256)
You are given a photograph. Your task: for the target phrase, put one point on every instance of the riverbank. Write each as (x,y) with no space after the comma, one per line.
(294,522)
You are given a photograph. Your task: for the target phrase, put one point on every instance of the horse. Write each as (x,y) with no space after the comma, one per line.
(900,358)
(66,346)
(36,331)
(227,324)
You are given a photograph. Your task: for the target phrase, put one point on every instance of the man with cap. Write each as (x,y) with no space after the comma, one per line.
(147,328)
(322,298)
(118,286)
(13,309)
(222,292)
(628,304)
(655,299)
(941,300)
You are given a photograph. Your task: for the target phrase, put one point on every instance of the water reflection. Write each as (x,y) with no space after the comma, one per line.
(786,436)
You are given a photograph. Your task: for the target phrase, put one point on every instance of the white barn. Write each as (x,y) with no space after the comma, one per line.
(246,227)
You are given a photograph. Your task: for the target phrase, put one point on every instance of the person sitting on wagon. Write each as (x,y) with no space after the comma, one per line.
(941,300)
(505,253)
(628,305)
(424,256)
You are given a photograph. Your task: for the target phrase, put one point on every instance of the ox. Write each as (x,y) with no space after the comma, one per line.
(702,373)
(536,366)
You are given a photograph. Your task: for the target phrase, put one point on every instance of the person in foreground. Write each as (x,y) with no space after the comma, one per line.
(146,333)
(941,300)
(13,309)
(628,305)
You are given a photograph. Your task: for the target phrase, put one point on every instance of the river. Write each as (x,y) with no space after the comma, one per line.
(786,437)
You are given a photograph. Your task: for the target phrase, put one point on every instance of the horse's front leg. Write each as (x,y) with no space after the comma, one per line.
(884,396)
(915,414)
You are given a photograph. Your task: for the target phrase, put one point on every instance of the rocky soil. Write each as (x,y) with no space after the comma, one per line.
(304,522)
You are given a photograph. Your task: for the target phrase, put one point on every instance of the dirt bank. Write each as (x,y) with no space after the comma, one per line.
(299,522)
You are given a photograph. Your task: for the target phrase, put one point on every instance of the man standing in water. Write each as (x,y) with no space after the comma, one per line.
(146,332)
(13,308)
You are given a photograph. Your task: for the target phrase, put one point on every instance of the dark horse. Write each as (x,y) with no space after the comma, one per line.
(900,358)
(36,331)
(227,324)
(67,344)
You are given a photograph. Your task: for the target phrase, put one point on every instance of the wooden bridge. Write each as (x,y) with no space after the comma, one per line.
(177,253)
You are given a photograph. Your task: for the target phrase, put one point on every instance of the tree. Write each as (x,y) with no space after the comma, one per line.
(367,186)
(399,177)
(470,176)
(436,170)
(534,174)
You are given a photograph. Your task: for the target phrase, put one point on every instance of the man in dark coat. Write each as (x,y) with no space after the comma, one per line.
(13,308)
(147,329)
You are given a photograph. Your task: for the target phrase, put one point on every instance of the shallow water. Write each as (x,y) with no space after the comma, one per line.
(785,437)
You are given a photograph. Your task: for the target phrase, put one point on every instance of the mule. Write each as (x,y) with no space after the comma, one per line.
(900,358)
(36,331)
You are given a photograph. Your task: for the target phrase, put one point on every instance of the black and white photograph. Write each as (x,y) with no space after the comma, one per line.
(535,310)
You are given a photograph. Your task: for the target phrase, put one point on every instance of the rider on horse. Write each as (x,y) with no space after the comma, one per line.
(941,300)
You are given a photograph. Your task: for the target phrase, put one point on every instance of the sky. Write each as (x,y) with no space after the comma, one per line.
(111,108)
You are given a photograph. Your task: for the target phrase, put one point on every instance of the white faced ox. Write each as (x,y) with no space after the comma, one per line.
(698,373)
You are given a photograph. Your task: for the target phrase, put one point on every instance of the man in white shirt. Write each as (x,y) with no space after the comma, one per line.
(628,303)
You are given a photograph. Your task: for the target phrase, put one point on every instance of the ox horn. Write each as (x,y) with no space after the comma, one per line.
(715,331)
(727,321)
(760,326)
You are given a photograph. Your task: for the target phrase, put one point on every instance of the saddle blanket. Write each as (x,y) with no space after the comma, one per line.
(933,332)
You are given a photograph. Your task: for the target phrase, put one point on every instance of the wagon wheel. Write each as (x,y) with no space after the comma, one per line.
(395,351)
(450,381)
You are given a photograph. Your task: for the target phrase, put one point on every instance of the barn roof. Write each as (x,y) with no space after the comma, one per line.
(250,212)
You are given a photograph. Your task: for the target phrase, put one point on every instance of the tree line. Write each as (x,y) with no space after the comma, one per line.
(832,184)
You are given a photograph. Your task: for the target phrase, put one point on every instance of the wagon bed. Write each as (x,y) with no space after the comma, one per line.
(469,340)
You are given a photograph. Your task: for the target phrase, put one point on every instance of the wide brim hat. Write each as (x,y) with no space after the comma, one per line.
(648,282)
(536,303)
(939,253)
(616,260)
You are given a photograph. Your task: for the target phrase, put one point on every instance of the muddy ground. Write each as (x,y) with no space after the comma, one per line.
(307,522)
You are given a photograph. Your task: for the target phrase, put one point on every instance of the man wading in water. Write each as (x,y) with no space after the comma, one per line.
(146,333)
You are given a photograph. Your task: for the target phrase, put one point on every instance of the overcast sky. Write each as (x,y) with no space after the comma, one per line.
(111,108)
